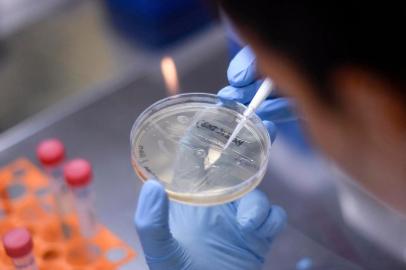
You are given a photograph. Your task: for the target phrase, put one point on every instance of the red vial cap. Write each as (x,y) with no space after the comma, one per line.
(51,152)
(17,242)
(78,172)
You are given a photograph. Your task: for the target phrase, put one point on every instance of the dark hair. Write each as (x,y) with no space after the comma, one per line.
(323,36)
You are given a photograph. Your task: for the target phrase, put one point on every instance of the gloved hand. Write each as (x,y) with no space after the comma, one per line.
(231,236)
(244,83)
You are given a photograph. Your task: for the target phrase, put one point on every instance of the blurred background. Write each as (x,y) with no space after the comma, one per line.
(52,49)
(82,70)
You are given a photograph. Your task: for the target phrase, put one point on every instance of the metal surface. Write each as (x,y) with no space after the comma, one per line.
(62,54)
(15,14)
(97,127)
(71,58)
(73,50)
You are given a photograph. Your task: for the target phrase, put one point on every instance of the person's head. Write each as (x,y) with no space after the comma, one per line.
(344,63)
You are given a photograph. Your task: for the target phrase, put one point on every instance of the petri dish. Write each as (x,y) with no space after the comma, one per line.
(179,141)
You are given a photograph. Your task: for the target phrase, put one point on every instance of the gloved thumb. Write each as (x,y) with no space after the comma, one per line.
(151,221)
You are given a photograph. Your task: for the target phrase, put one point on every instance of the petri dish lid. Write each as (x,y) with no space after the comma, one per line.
(180,140)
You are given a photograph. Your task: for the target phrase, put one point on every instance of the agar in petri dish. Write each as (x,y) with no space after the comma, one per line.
(180,141)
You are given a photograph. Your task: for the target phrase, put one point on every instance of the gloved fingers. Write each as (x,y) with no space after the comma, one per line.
(259,221)
(151,222)
(252,210)
(272,130)
(276,110)
(242,70)
(242,94)
(255,214)
(273,224)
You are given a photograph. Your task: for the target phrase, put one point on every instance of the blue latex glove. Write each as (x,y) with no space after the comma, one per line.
(243,78)
(235,235)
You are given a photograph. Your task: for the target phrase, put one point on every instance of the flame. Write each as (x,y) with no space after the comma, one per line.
(168,69)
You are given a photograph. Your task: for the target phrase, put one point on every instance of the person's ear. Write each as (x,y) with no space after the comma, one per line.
(371,101)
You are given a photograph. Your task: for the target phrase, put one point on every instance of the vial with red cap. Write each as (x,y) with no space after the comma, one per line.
(19,247)
(51,154)
(78,176)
